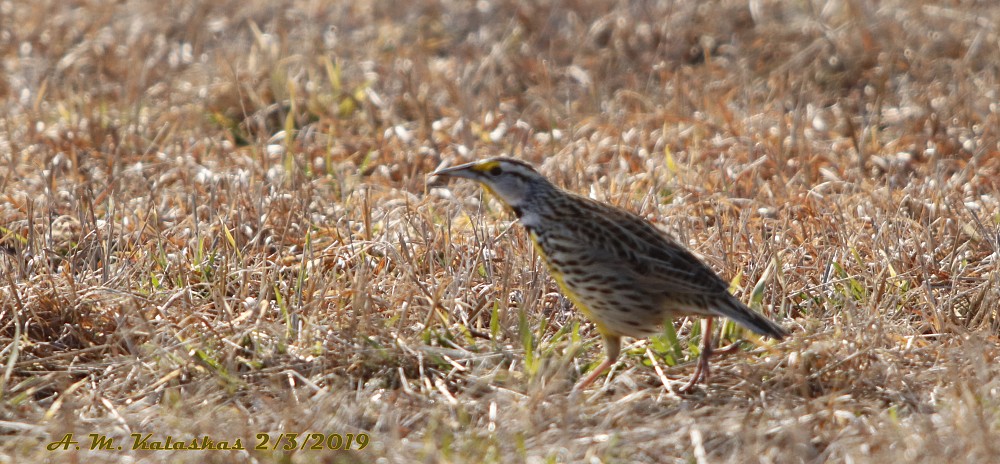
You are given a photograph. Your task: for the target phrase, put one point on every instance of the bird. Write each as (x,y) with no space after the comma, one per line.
(623,273)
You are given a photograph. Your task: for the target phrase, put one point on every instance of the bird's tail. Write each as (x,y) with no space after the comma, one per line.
(739,312)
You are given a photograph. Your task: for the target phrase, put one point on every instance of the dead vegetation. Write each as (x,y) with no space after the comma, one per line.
(215,222)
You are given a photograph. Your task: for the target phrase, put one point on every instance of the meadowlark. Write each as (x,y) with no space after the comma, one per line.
(623,273)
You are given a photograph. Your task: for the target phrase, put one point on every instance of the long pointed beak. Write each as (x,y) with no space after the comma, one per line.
(462,170)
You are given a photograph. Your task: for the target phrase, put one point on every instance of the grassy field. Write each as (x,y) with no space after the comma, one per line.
(216,222)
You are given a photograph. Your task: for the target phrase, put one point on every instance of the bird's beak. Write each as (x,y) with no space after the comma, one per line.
(464,171)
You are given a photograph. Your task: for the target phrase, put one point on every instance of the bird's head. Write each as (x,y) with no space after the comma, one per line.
(512,181)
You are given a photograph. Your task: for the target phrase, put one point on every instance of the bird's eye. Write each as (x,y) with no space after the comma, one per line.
(495,171)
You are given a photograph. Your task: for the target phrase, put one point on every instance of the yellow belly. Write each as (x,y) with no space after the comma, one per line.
(565,289)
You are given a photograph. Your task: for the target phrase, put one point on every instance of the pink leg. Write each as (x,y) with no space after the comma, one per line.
(612,348)
(701,369)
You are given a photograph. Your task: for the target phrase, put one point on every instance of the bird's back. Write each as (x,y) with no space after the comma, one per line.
(627,275)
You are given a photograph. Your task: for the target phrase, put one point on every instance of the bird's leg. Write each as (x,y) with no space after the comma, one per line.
(732,348)
(612,348)
(701,369)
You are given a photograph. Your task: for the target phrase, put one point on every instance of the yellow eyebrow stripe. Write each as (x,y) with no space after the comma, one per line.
(483,167)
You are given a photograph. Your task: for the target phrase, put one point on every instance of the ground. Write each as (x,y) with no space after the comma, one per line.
(216,224)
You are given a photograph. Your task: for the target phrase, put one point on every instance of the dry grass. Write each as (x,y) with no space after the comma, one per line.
(215,221)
